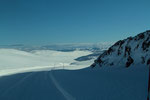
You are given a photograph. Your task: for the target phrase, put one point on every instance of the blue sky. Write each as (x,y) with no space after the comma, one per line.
(71,21)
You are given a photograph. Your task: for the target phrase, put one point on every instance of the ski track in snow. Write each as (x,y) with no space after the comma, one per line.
(17,83)
(60,88)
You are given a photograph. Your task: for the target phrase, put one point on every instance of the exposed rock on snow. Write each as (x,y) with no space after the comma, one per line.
(127,52)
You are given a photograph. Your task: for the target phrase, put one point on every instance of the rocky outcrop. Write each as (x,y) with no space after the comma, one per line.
(127,52)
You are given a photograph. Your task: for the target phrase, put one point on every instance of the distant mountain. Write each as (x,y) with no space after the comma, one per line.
(61,47)
(127,52)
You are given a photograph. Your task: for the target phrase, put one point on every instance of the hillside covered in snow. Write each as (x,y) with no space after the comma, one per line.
(24,58)
(133,51)
(16,61)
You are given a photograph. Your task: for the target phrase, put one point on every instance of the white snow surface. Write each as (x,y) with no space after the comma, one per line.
(105,83)
(16,61)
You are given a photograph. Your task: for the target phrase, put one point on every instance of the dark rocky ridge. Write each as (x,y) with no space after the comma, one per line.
(127,52)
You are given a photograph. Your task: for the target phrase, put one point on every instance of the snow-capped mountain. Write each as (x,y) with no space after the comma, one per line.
(127,52)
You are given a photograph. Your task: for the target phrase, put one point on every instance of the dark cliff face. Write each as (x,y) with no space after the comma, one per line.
(127,52)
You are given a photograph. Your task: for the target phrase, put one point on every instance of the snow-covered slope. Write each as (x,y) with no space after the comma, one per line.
(128,52)
(83,84)
(14,61)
